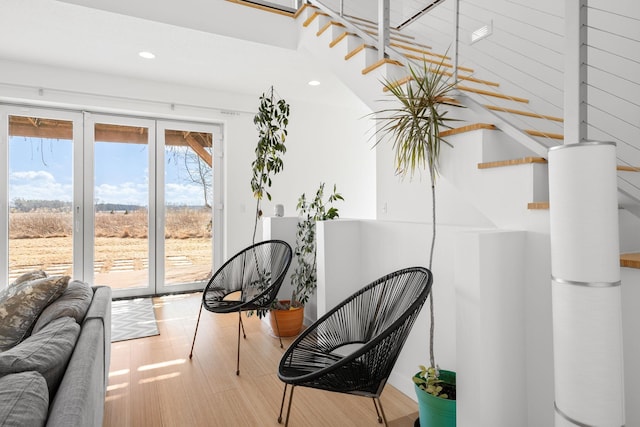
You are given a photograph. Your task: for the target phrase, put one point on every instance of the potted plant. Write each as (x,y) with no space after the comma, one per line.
(286,316)
(271,120)
(414,128)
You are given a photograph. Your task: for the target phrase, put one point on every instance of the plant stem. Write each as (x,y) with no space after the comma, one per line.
(433,243)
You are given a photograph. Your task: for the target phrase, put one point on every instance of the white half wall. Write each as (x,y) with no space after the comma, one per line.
(491,333)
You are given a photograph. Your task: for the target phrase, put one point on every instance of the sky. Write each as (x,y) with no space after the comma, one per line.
(41,169)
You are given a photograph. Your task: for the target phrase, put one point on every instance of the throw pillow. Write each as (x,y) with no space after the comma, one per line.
(74,302)
(47,352)
(24,399)
(20,306)
(29,276)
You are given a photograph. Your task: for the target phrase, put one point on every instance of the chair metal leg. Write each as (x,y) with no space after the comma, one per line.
(284,395)
(286,423)
(196,331)
(381,416)
(238,358)
(242,324)
(277,332)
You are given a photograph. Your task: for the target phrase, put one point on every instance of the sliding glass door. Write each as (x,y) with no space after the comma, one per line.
(188,203)
(130,203)
(120,153)
(41,152)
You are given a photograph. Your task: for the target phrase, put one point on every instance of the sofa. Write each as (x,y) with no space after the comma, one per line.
(55,346)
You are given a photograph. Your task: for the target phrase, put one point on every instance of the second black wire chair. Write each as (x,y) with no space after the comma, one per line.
(254,276)
(353,348)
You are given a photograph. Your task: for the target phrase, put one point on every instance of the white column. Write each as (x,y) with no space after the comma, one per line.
(585,265)
(383,27)
(575,71)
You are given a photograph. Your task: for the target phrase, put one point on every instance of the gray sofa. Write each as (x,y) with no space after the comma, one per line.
(57,374)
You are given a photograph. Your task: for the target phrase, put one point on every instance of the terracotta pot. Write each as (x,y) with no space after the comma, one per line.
(286,323)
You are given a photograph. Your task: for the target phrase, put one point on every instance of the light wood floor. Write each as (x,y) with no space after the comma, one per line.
(152,381)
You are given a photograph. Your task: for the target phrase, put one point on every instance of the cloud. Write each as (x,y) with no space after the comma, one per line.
(32,176)
(184,194)
(38,185)
(128,193)
(42,185)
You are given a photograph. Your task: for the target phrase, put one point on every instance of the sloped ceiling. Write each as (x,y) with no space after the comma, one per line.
(216,45)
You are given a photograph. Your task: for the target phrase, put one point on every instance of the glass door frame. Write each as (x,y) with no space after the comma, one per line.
(90,120)
(83,238)
(216,204)
(75,117)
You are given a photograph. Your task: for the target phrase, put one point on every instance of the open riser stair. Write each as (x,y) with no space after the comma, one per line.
(503,179)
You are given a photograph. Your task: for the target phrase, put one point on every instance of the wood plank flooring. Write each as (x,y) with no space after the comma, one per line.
(152,381)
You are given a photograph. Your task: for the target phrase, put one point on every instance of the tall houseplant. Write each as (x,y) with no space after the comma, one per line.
(304,279)
(271,121)
(414,128)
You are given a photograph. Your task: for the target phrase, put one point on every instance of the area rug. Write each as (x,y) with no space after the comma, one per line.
(133,318)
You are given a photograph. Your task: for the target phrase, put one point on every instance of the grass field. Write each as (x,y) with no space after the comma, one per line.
(44,240)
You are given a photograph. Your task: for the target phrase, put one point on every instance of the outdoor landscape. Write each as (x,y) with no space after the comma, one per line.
(41,237)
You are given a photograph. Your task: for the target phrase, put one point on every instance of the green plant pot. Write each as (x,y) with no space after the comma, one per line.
(435,411)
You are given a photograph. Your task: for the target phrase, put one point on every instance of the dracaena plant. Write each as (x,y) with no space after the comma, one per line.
(413,126)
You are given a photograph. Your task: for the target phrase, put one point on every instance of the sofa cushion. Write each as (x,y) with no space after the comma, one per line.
(29,276)
(74,303)
(47,352)
(20,306)
(24,400)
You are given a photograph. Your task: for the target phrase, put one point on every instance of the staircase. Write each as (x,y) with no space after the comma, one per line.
(507,153)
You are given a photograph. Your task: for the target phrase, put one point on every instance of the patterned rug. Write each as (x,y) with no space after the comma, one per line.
(133,318)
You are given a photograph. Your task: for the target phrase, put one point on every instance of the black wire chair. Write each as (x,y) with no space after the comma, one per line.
(353,348)
(254,275)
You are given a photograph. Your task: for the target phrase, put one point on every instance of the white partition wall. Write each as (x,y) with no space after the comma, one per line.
(586,292)
(489,271)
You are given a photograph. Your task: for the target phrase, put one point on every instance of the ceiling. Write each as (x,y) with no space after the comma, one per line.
(218,45)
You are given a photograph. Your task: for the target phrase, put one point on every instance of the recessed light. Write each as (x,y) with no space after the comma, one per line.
(146,55)
(314,83)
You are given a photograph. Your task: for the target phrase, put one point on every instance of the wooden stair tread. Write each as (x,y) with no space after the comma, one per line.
(494,94)
(467,128)
(418,49)
(340,38)
(381,63)
(302,8)
(407,79)
(328,25)
(626,168)
(542,160)
(538,205)
(512,162)
(437,62)
(551,135)
(360,48)
(313,16)
(523,113)
(630,260)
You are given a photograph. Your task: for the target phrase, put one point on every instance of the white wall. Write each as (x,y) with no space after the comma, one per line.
(325,143)
(481,293)
(630,321)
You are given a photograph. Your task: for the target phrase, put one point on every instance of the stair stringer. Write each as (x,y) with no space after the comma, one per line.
(367,87)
